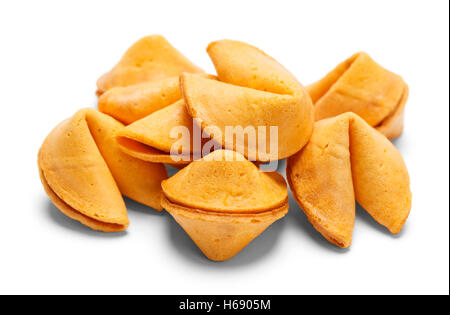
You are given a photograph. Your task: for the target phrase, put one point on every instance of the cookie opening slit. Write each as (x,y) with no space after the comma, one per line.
(148,153)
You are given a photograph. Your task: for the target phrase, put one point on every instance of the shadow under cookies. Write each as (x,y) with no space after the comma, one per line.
(134,206)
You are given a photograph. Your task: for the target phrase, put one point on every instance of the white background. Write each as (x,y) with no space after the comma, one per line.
(51,54)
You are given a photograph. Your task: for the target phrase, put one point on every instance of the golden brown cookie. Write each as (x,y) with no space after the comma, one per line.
(346,159)
(85,174)
(151,58)
(362,86)
(253,90)
(224,201)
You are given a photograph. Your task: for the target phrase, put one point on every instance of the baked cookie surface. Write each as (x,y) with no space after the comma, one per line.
(347,160)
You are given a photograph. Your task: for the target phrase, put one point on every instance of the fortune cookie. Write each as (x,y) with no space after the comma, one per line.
(131,103)
(151,58)
(361,86)
(223,202)
(346,159)
(253,90)
(85,174)
(151,138)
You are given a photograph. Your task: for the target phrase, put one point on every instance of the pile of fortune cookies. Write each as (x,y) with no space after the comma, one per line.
(334,133)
